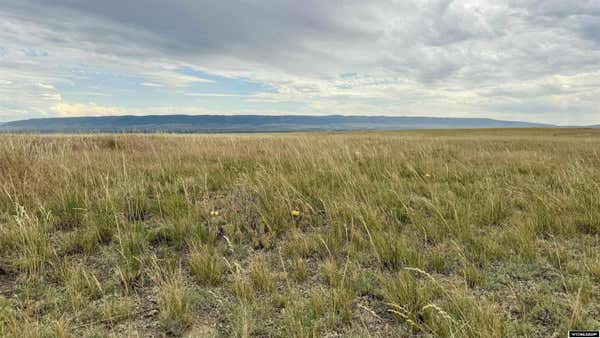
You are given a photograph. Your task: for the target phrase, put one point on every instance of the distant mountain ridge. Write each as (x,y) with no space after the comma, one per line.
(250,123)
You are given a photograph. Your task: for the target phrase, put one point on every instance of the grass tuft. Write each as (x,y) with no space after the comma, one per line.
(416,233)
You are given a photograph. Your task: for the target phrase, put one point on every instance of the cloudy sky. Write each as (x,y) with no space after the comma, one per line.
(524,60)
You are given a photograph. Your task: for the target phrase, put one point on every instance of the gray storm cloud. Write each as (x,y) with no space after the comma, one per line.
(529,60)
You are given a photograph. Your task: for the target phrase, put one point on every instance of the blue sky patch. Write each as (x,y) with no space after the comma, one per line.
(33,52)
(211,92)
(224,85)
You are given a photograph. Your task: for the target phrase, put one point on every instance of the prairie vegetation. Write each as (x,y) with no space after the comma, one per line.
(489,233)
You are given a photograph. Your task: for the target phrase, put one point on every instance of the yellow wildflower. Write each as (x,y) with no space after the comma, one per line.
(295,213)
(214,213)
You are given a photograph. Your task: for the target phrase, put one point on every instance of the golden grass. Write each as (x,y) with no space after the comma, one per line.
(452,233)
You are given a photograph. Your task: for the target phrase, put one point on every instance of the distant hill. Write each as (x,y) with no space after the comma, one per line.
(249,123)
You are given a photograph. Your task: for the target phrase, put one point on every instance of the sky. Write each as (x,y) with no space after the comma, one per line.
(526,60)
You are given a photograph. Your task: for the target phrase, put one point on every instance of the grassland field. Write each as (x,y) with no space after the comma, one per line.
(455,233)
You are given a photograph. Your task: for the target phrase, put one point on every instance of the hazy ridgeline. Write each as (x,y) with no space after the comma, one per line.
(485,233)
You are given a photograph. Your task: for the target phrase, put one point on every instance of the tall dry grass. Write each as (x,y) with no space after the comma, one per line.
(431,233)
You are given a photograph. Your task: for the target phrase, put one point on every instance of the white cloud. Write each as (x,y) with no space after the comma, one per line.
(150,84)
(93,109)
(216,95)
(525,60)
(46,86)
(65,109)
